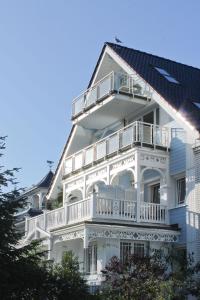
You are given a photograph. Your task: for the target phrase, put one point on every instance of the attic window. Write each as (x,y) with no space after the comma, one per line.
(197,104)
(166,75)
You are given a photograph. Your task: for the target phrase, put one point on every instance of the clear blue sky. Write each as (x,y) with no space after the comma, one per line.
(48,49)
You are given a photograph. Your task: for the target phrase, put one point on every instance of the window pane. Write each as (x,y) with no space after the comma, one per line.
(171,79)
(155,198)
(181,190)
(125,251)
(139,249)
(162,71)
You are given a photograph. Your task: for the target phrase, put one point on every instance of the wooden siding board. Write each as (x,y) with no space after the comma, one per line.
(178,216)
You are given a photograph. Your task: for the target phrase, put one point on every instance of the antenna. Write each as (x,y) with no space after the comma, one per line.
(50,164)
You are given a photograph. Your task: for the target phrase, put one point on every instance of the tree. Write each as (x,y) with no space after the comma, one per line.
(24,273)
(151,277)
(69,283)
(138,278)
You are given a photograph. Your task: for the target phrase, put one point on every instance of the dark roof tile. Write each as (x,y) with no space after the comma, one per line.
(180,96)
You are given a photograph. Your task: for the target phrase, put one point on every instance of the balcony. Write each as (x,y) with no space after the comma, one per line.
(98,208)
(137,133)
(113,83)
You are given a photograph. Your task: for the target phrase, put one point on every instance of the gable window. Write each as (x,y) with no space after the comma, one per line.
(180,190)
(167,76)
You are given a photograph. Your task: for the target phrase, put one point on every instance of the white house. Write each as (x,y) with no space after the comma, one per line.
(130,169)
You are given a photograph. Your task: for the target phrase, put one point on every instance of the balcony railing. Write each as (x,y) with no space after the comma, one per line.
(133,134)
(113,82)
(97,207)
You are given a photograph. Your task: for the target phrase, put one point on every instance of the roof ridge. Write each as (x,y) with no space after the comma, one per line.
(160,57)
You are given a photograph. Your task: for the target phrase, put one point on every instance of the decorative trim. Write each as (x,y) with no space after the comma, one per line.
(133,235)
(122,163)
(153,159)
(74,184)
(78,234)
(102,173)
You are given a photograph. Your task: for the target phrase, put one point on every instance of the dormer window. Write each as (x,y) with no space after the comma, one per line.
(167,76)
(197,104)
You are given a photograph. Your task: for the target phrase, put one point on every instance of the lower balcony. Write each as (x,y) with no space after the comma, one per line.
(98,208)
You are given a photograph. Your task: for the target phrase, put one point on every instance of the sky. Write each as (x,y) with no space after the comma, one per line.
(48,51)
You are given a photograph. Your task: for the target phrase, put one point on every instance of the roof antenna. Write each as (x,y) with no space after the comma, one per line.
(117,40)
(50,164)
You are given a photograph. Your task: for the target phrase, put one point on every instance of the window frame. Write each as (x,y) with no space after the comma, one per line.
(178,190)
(132,246)
(151,186)
(91,259)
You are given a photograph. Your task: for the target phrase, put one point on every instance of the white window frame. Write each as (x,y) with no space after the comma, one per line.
(91,258)
(152,191)
(178,203)
(132,247)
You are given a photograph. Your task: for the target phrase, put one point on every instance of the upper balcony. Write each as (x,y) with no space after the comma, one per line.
(135,134)
(113,86)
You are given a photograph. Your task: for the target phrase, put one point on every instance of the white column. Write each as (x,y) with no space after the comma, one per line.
(40,200)
(93,200)
(66,212)
(108,175)
(84,187)
(26,226)
(137,183)
(50,248)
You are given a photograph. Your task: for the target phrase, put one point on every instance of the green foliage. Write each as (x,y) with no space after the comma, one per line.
(151,278)
(55,203)
(24,274)
(137,279)
(69,282)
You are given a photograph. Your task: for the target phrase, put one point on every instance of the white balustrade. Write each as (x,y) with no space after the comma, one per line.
(152,212)
(40,221)
(78,211)
(99,207)
(55,218)
(115,208)
(113,82)
(137,132)
(89,155)
(31,224)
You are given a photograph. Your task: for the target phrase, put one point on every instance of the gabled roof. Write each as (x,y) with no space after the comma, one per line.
(181,96)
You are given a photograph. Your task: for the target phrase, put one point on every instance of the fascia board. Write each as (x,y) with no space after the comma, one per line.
(60,164)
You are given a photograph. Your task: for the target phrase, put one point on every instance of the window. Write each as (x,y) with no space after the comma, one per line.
(91,259)
(125,251)
(180,190)
(155,193)
(139,249)
(128,248)
(167,76)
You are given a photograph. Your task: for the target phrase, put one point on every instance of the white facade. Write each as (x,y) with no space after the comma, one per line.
(128,174)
